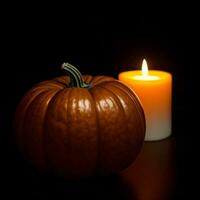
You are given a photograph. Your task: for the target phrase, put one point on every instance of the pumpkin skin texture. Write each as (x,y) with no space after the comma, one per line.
(79,132)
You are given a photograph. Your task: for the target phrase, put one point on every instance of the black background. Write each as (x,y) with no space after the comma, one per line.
(36,40)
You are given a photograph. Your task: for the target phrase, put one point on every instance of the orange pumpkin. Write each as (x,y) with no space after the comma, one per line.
(77,126)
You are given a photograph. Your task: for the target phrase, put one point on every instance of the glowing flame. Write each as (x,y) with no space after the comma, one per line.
(144,68)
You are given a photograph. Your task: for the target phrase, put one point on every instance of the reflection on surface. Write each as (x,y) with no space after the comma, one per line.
(152,176)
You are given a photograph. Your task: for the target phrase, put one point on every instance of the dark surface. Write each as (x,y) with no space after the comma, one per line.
(35,43)
(152,176)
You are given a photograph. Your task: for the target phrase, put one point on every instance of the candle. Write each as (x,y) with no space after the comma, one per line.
(154,89)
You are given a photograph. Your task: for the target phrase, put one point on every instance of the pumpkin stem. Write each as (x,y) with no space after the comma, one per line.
(75,76)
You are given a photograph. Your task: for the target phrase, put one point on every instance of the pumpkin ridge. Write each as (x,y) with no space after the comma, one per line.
(98,131)
(117,100)
(67,114)
(29,128)
(107,82)
(106,168)
(44,129)
(60,83)
(50,84)
(88,168)
(87,78)
(139,110)
(135,100)
(96,79)
(64,80)
(100,79)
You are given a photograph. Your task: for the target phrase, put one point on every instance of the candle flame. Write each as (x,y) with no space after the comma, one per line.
(144,68)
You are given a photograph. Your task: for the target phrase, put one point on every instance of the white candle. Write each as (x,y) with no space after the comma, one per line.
(154,90)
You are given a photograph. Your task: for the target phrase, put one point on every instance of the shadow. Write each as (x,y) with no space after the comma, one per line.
(22,180)
(110,187)
(152,176)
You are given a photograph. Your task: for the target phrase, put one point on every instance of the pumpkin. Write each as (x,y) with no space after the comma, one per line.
(79,126)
